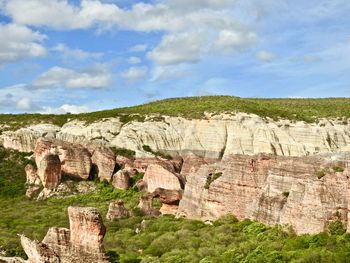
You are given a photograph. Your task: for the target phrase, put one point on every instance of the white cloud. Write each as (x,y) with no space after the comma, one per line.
(265,56)
(233,40)
(178,48)
(134,60)
(66,108)
(78,54)
(135,73)
(179,20)
(19,42)
(138,48)
(24,104)
(97,77)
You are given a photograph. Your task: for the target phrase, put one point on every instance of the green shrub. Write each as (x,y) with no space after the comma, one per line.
(124,152)
(336,227)
(320,174)
(285,194)
(211,178)
(147,148)
(338,169)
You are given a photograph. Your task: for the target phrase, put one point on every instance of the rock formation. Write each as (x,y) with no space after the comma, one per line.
(213,137)
(82,243)
(116,210)
(158,177)
(104,160)
(75,159)
(305,193)
(50,171)
(121,180)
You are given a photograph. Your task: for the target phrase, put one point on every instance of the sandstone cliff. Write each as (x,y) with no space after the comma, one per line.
(215,137)
(306,193)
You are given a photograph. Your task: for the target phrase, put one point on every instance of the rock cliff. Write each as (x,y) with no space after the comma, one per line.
(306,193)
(82,243)
(215,137)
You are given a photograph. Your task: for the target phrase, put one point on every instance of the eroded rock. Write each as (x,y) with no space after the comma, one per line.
(117,210)
(50,171)
(104,160)
(121,180)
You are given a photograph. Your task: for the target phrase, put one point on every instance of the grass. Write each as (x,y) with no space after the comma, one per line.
(163,239)
(309,110)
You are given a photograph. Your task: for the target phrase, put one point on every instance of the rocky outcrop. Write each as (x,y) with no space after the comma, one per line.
(75,159)
(215,136)
(146,205)
(305,193)
(38,252)
(82,243)
(117,210)
(157,176)
(104,161)
(50,171)
(32,175)
(169,199)
(121,180)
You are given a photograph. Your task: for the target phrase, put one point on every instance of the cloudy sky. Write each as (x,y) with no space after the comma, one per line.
(60,56)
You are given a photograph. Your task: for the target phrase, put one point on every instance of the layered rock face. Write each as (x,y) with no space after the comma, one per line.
(75,159)
(50,171)
(214,137)
(271,189)
(82,243)
(104,159)
(158,177)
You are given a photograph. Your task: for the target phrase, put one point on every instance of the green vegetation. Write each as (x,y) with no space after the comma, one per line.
(320,174)
(124,152)
(163,239)
(147,148)
(285,194)
(308,110)
(338,169)
(211,178)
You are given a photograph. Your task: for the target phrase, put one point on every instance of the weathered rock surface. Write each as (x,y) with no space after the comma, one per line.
(121,180)
(117,210)
(158,177)
(38,252)
(32,175)
(104,160)
(146,205)
(82,243)
(50,171)
(11,260)
(75,159)
(169,199)
(214,137)
(271,189)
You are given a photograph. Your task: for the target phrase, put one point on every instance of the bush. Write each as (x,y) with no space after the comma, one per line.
(338,169)
(285,194)
(147,148)
(211,178)
(320,174)
(336,228)
(124,152)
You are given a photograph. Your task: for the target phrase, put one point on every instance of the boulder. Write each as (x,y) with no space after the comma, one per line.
(50,171)
(38,252)
(86,229)
(75,159)
(104,160)
(117,210)
(121,180)
(32,175)
(157,176)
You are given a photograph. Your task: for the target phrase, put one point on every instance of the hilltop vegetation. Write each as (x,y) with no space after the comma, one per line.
(308,110)
(163,239)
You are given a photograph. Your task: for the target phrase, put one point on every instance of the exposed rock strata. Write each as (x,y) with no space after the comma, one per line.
(271,189)
(104,161)
(50,171)
(121,180)
(158,177)
(214,137)
(82,243)
(75,159)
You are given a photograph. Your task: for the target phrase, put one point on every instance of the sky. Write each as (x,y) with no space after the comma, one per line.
(59,56)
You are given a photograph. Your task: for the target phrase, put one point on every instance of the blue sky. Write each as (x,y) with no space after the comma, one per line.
(59,56)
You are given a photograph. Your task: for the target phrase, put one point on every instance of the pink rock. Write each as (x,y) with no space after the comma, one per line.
(121,180)
(104,159)
(50,171)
